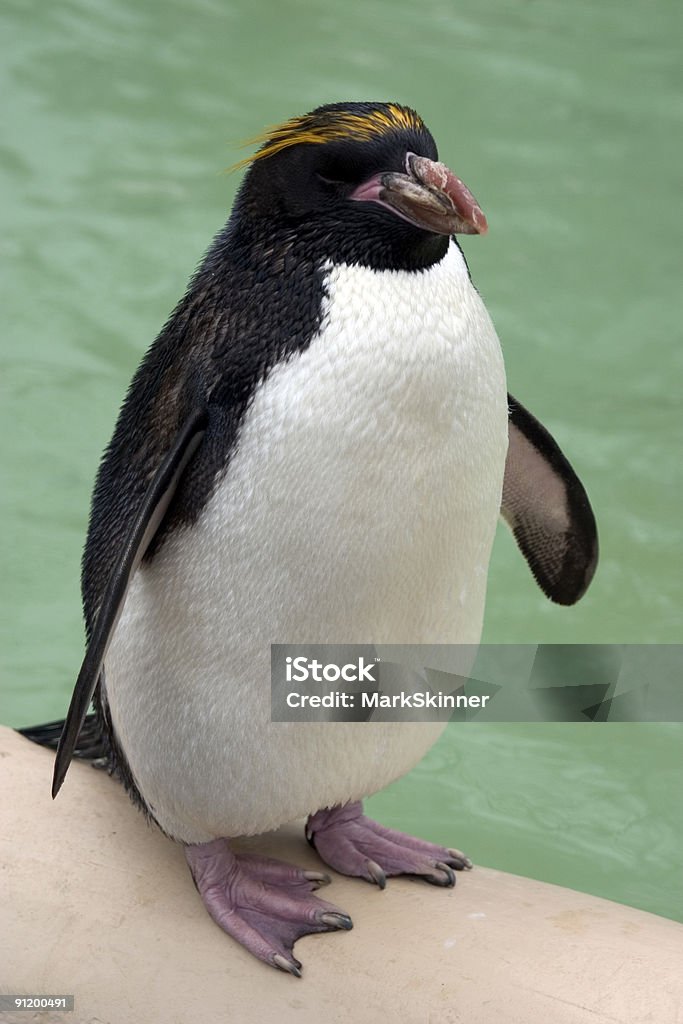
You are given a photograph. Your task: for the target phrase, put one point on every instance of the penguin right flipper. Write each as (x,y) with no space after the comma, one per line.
(547,509)
(143,528)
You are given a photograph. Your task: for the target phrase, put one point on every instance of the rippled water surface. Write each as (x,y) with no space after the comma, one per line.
(118,120)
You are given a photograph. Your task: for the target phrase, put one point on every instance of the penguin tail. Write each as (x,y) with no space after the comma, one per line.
(93,742)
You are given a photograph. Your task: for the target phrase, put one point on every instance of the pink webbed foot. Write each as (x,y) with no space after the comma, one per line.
(263,903)
(355,845)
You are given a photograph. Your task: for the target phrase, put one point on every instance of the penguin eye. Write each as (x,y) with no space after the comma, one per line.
(330,181)
(339,172)
(334,185)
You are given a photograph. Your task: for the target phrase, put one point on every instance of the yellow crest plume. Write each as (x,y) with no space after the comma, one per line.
(327,125)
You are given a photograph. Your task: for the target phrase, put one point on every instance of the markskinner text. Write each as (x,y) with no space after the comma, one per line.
(418,700)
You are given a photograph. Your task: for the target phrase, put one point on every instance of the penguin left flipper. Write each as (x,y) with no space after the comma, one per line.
(547,509)
(143,528)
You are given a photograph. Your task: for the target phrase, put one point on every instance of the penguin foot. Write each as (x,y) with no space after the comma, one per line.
(264,903)
(355,845)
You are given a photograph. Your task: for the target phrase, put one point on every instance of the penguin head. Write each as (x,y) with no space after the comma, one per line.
(361,183)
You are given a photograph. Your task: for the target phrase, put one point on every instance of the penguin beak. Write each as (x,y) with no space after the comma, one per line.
(428,195)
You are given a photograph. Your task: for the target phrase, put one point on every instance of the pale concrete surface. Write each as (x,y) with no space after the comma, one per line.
(97,904)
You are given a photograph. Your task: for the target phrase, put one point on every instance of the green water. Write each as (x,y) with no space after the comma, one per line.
(118,119)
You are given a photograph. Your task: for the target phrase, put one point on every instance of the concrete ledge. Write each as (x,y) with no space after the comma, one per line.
(97,904)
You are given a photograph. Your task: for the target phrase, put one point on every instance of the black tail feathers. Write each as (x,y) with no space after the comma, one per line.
(93,744)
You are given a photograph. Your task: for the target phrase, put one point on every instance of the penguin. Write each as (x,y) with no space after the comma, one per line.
(316,448)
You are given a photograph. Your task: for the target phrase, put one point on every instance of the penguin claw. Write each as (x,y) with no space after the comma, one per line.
(458,860)
(376,874)
(448,872)
(353,844)
(291,966)
(318,877)
(342,921)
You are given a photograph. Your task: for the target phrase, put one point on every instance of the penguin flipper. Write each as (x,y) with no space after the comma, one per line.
(152,509)
(547,509)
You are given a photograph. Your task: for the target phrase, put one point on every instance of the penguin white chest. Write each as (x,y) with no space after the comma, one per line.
(359,506)
(367,478)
